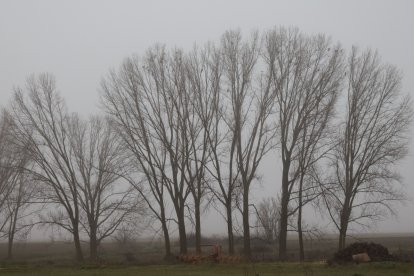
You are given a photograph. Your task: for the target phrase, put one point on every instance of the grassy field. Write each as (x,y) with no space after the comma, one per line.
(57,258)
(145,252)
(263,269)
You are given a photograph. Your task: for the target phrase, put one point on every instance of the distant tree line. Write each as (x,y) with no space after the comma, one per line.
(184,130)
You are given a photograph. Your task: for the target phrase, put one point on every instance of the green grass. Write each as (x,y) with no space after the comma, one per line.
(274,269)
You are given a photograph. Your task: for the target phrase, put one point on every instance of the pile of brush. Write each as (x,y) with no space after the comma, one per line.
(376,253)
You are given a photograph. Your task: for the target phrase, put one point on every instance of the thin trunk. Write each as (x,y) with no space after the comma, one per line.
(300,233)
(12,231)
(346,212)
(246,224)
(181,231)
(75,223)
(10,241)
(166,234)
(284,212)
(230,229)
(197,227)
(10,247)
(301,246)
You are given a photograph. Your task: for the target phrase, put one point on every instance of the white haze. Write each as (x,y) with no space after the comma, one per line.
(79,41)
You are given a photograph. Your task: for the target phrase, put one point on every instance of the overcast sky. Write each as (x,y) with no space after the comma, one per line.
(79,41)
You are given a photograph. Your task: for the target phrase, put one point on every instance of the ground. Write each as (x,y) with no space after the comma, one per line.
(262,269)
(144,258)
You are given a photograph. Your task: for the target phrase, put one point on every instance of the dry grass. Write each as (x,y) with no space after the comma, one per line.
(263,269)
(145,258)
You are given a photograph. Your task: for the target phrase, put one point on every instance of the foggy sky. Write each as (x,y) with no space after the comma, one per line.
(79,41)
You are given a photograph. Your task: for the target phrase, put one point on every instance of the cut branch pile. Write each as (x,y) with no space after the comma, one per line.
(376,252)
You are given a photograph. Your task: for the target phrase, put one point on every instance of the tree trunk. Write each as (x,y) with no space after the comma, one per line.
(342,237)
(197,227)
(93,245)
(230,229)
(283,229)
(10,246)
(246,224)
(343,226)
(76,240)
(181,231)
(284,211)
(166,234)
(300,233)
(12,231)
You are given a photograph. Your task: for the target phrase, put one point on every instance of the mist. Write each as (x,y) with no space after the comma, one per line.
(80,41)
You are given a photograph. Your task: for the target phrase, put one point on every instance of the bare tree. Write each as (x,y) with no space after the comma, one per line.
(314,145)
(127,100)
(77,162)
(203,69)
(372,138)
(148,101)
(182,134)
(42,125)
(99,161)
(222,171)
(20,209)
(9,159)
(16,186)
(306,74)
(267,219)
(250,104)
(125,103)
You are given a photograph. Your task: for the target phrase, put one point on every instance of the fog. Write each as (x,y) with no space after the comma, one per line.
(80,41)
